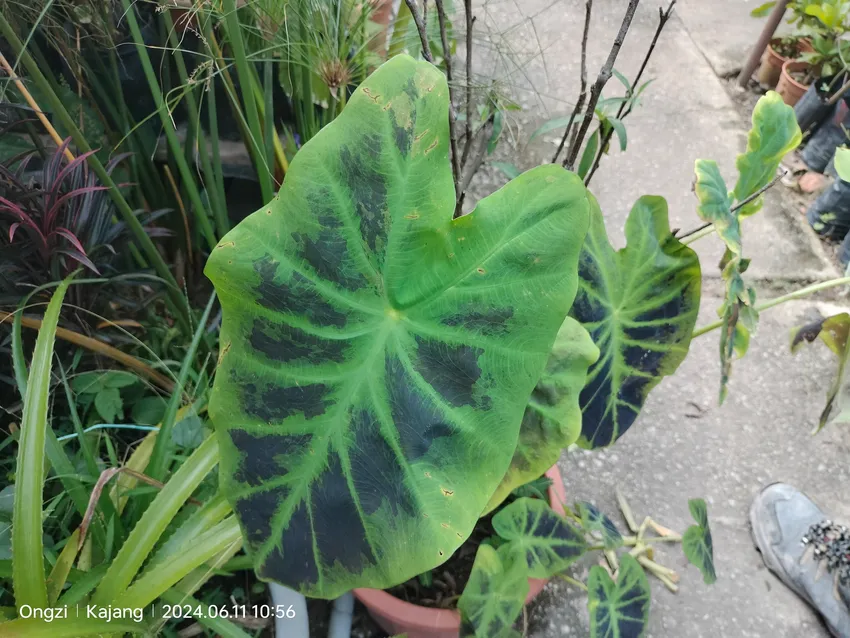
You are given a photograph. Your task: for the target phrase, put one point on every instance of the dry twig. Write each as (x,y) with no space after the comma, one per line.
(583,90)
(601,80)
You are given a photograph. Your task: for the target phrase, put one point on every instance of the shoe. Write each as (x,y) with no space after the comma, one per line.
(805,550)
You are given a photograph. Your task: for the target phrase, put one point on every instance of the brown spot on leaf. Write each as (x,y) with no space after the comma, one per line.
(432,146)
(447,492)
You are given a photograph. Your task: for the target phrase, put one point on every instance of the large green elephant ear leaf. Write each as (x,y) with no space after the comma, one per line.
(640,305)
(538,537)
(697,543)
(376,355)
(552,419)
(493,597)
(618,609)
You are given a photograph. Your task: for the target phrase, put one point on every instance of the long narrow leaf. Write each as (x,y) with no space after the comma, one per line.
(28,552)
(162,446)
(155,520)
(168,127)
(155,581)
(234,34)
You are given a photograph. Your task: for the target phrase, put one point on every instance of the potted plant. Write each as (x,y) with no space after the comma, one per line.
(787,47)
(778,52)
(377,359)
(824,60)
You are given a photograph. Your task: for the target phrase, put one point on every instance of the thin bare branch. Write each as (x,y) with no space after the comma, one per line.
(626,107)
(588,7)
(420,26)
(467,128)
(482,137)
(737,206)
(447,58)
(601,80)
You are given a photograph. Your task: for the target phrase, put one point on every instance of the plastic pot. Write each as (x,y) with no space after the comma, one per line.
(812,109)
(791,90)
(396,616)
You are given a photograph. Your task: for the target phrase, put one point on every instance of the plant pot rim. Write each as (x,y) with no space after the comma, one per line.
(417,617)
(794,65)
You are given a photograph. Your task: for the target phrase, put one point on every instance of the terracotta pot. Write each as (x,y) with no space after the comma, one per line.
(791,90)
(399,617)
(771,62)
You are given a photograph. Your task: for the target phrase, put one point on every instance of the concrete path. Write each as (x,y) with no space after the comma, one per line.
(761,434)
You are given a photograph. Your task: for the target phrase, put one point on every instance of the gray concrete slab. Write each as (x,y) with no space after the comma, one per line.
(760,435)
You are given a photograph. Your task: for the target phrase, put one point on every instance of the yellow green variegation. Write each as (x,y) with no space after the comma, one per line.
(376,355)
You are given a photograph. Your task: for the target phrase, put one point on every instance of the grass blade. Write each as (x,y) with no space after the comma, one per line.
(162,447)
(59,573)
(28,558)
(155,520)
(243,70)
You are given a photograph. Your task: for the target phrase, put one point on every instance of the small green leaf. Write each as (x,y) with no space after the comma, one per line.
(118,379)
(620,130)
(639,305)
(108,404)
(618,609)
(594,520)
(538,537)
(551,125)
(697,543)
(715,204)
(589,154)
(498,124)
(552,419)
(774,133)
(493,597)
(623,79)
(762,10)
(510,170)
(88,382)
(842,163)
(835,333)
(149,410)
(188,432)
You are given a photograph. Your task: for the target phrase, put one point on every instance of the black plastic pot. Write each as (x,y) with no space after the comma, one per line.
(829,214)
(812,109)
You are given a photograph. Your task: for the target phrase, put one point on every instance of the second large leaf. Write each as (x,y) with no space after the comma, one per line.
(377,355)
(639,305)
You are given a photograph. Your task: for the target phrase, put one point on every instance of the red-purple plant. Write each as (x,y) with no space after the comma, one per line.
(56,212)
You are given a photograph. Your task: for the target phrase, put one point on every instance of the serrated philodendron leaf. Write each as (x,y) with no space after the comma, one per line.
(697,543)
(774,133)
(593,520)
(493,597)
(552,420)
(538,537)
(835,333)
(377,355)
(618,609)
(639,305)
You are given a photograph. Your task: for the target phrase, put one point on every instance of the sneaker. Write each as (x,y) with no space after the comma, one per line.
(805,550)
